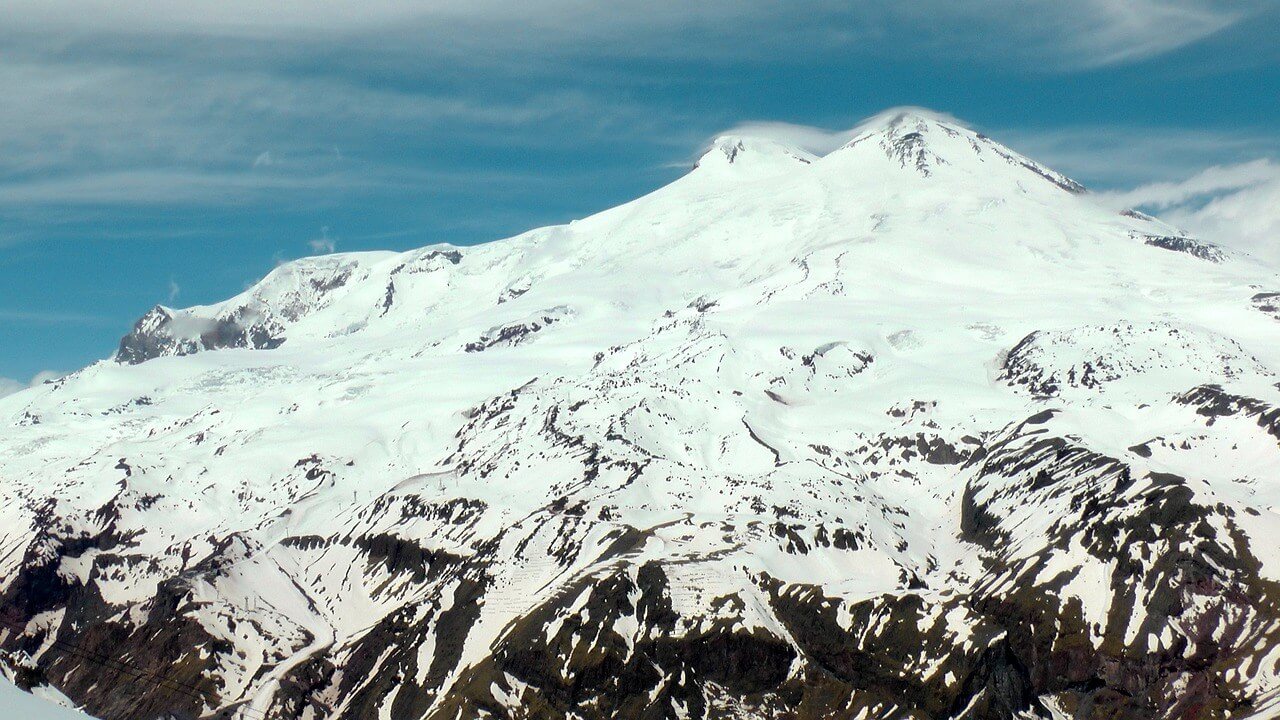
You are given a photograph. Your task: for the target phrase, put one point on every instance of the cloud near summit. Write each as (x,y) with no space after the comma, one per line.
(1234,204)
(821,141)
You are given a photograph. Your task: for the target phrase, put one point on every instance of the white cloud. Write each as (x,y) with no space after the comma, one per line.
(45,376)
(1248,219)
(821,141)
(9,386)
(43,317)
(174,290)
(323,244)
(1235,205)
(112,133)
(1204,184)
(1088,33)
(1116,31)
(135,102)
(1112,157)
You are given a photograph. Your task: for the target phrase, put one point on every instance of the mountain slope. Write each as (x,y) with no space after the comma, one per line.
(914,429)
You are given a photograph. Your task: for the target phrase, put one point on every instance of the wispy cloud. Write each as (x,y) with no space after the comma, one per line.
(821,141)
(1088,33)
(1108,32)
(1236,205)
(1205,184)
(221,102)
(176,132)
(45,376)
(1120,156)
(1223,187)
(1248,218)
(39,317)
(323,244)
(9,386)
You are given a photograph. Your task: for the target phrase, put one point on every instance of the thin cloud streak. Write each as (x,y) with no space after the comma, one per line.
(201,103)
(29,317)
(131,135)
(1127,156)
(1091,33)
(1127,30)
(1208,182)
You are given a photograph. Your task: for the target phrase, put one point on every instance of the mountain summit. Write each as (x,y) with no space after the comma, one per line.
(912,428)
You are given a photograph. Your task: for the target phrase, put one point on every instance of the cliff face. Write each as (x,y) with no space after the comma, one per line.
(912,430)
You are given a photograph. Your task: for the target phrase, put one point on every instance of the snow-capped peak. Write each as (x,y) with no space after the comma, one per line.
(747,153)
(913,139)
(910,116)
(925,141)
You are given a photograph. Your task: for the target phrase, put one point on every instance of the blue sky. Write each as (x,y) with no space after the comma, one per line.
(176,153)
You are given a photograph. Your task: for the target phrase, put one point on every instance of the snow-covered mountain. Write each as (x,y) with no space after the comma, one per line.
(915,429)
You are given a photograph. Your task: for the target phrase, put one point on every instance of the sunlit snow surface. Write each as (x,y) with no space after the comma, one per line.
(722,378)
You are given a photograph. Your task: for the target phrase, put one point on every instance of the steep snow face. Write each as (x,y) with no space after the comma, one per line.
(912,429)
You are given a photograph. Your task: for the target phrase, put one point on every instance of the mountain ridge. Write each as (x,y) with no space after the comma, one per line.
(884,131)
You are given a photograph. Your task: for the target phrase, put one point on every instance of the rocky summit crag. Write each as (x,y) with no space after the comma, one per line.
(914,429)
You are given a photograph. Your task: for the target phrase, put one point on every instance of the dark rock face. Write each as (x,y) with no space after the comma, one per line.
(1175,609)
(589,668)
(909,149)
(1268,302)
(1178,601)
(1187,607)
(1171,570)
(153,336)
(429,261)
(1021,368)
(1048,363)
(1137,215)
(1190,246)
(516,333)
(119,670)
(1213,402)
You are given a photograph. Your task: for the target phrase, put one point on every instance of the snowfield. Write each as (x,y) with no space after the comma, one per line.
(915,429)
